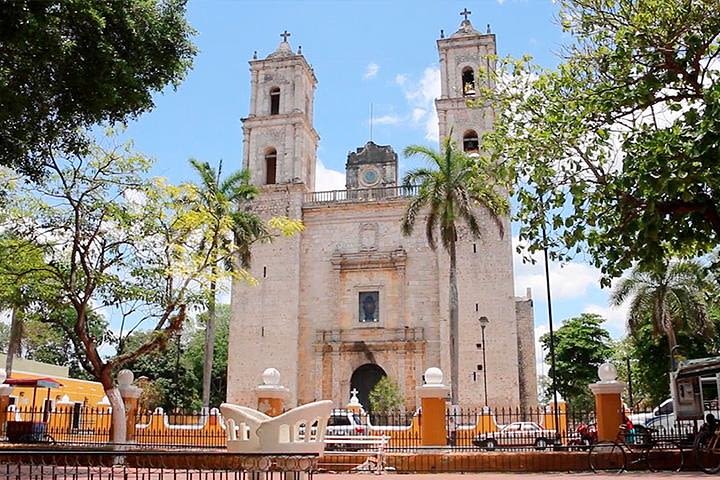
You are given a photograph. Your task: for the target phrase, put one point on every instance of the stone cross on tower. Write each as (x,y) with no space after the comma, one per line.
(465,13)
(285,35)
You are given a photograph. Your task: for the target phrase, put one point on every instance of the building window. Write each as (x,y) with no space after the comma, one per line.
(274,100)
(470,141)
(369,307)
(270,166)
(468,82)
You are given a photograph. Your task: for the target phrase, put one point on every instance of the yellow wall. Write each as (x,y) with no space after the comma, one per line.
(83,391)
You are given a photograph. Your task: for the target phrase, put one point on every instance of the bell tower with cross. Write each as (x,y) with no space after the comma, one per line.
(464,66)
(280,142)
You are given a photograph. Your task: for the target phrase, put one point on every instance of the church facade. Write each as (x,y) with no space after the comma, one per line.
(351,299)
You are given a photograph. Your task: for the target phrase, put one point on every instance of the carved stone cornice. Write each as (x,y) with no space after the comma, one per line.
(370,260)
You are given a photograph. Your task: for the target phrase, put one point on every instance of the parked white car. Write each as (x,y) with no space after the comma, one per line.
(517,434)
(345,422)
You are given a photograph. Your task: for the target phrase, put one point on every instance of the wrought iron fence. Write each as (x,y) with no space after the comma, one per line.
(389,431)
(477,430)
(92,426)
(137,465)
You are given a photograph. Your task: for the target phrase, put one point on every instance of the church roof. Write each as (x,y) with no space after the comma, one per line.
(283,50)
(466,29)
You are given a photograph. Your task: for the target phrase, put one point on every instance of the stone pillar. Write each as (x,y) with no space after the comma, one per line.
(130,395)
(608,402)
(433,398)
(271,396)
(5,391)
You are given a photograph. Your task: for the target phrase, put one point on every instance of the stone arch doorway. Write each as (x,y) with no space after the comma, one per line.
(364,379)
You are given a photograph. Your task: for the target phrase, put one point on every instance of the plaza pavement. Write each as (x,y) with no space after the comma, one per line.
(513,476)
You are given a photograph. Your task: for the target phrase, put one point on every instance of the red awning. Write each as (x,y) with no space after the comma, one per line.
(46,382)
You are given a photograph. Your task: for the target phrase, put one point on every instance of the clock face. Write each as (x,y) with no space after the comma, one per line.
(370,176)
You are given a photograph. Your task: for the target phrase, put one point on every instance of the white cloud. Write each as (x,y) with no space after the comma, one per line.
(567,281)
(386,120)
(327,178)
(500,1)
(371,71)
(540,365)
(421,95)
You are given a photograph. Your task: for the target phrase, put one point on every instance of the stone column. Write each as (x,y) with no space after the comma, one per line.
(271,396)
(130,395)
(608,403)
(5,391)
(433,398)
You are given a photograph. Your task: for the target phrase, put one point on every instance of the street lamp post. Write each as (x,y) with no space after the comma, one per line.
(630,390)
(552,333)
(483,323)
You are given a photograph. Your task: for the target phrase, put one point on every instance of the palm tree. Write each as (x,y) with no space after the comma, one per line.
(221,198)
(454,189)
(671,299)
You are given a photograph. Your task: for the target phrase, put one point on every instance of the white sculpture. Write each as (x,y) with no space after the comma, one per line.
(299,431)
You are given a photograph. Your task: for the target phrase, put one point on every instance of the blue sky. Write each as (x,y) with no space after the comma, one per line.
(363,52)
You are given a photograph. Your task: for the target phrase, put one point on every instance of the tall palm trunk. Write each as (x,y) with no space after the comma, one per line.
(209,341)
(13,349)
(454,327)
(672,341)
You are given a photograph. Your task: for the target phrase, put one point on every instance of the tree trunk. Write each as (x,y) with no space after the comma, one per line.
(672,342)
(119,425)
(454,327)
(209,343)
(13,348)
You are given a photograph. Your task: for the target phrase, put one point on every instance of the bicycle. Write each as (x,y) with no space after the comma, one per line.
(644,448)
(707,446)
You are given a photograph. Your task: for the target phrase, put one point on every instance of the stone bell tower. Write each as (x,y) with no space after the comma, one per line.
(465,61)
(280,142)
(279,150)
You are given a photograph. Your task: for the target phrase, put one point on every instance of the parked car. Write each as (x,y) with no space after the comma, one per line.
(345,422)
(517,434)
(663,422)
(662,410)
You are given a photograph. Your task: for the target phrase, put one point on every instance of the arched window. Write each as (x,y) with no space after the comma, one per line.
(470,142)
(468,82)
(274,100)
(270,166)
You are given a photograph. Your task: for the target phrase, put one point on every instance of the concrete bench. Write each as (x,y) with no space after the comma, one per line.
(371,446)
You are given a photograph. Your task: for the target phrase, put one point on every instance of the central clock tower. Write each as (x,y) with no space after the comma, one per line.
(371,166)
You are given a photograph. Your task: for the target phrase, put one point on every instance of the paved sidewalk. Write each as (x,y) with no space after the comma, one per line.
(513,476)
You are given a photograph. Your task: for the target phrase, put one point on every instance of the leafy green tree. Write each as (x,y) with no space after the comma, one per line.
(647,353)
(195,353)
(385,396)
(66,65)
(581,346)
(619,144)
(113,239)
(22,284)
(171,382)
(456,189)
(669,300)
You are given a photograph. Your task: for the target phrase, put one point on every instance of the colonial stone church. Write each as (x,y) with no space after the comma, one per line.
(351,299)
